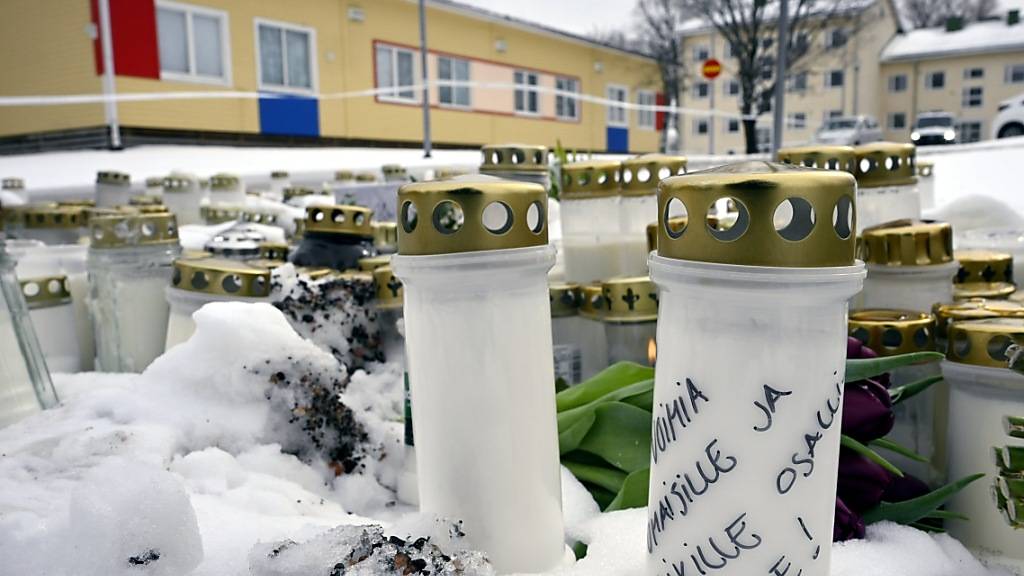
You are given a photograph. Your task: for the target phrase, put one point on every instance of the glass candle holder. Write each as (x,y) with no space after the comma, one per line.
(53,224)
(521,162)
(53,316)
(910,265)
(566,332)
(593,338)
(920,421)
(985,395)
(196,282)
(748,391)
(639,203)
(336,237)
(113,189)
(385,237)
(15,186)
(183,196)
(591,239)
(394,173)
(926,183)
(630,320)
(25,386)
(886,184)
(130,266)
(226,189)
(473,256)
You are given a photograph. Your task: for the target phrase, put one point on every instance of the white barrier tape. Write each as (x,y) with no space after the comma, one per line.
(73,99)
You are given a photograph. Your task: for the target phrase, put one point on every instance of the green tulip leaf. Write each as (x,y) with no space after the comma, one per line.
(608,478)
(908,391)
(911,511)
(947,515)
(926,527)
(633,493)
(861,368)
(851,444)
(643,400)
(603,497)
(572,415)
(612,378)
(621,435)
(886,444)
(569,438)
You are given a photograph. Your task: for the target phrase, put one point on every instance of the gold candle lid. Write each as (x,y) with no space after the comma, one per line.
(925,168)
(987,290)
(984,342)
(155,182)
(145,200)
(886,164)
(822,157)
(268,264)
(150,209)
(278,174)
(221,277)
(274,251)
(591,299)
(339,219)
(52,216)
(219,213)
(818,233)
(641,174)
(907,243)
(371,263)
(258,217)
(983,266)
(385,234)
(390,292)
(393,170)
(366,177)
(113,177)
(593,179)
(343,175)
(297,191)
(973,309)
(45,292)
(127,230)
(180,183)
(564,299)
(224,182)
(445,173)
(513,157)
(630,300)
(12,183)
(77,203)
(892,332)
(471,213)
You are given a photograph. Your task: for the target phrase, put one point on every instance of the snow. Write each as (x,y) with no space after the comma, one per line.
(974,38)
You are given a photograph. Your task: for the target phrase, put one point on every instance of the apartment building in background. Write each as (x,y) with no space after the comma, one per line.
(296,65)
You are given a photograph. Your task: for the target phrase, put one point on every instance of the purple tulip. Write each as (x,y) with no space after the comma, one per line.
(848,524)
(861,481)
(906,488)
(867,410)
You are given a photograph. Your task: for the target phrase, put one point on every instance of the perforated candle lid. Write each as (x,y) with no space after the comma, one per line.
(219,213)
(907,243)
(983,266)
(390,292)
(278,174)
(822,157)
(987,290)
(984,342)
(221,277)
(45,292)
(591,301)
(113,178)
(298,191)
(258,217)
(886,164)
(12,183)
(78,203)
(366,177)
(641,174)
(925,168)
(973,309)
(145,200)
(343,175)
(127,230)
(385,234)
(592,179)
(154,182)
(223,182)
(53,216)
(373,262)
(630,300)
(564,299)
(892,332)
(393,169)
(514,157)
(340,219)
(180,183)
(758,214)
(274,250)
(469,214)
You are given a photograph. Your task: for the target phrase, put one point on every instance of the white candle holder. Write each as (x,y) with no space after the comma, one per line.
(985,396)
(53,224)
(197,282)
(589,208)
(521,162)
(910,265)
(926,183)
(631,319)
(639,203)
(886,183)
(226,189)
(182,196)
(154,186)
(130,266)
(25,386)
(473,255)
(279,180)
(593,339)
(53,316)
(394,173)
(15,186)
(113,189)
(566,327)
(749,382)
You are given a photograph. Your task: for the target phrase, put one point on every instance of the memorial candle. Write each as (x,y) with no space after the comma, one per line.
(226,189)
(566,332)
(182,196)
(630,319)
(522,162)
(983,274)
(886,183)
(113,189)
(910,265)
(590,221)
(336,237)
(639,205)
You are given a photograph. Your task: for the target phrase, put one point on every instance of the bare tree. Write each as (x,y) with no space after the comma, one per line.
(657,34)
(927,13)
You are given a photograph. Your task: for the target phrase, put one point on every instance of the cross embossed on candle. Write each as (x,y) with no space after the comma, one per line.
(962,275)
(630,298)
(394,285)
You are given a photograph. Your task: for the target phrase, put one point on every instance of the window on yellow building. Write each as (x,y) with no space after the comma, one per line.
(396,69)
(701,90)
(897,121)
(527,100)
(976,73)
(645,118)
(285,56)
(796,121)
(453,70)
(192,43)
(732,126)
(796,82)
(732,88)
(834,79)
(617,114)
(567,107)
(972,97)
(898,83)
(935,80)
(700,127)
(1013,74)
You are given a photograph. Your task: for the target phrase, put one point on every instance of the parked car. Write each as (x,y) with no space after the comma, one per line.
(1009,122)
(848,131)
(934,128)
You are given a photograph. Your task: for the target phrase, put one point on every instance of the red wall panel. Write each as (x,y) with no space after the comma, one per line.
(659,118)
(133,26)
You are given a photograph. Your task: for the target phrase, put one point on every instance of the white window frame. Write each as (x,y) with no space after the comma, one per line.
(566,99)
(965,97)
(890,123)
(526,88)
(928,80)
(395,88)
(962,133)
(796,121)
(697,124)
(891,83)
(617,110)
(700,49)
(225,49)
(791,82)
(696,90)
(1010,71)
(729,125)
(469,76)
(830,37)
(968,73)
(727,87)
(828,78)
(646,119)
(314,77)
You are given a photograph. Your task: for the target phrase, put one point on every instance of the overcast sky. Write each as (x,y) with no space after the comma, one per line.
(579,16)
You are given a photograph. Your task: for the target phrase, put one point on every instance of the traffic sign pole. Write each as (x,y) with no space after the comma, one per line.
(710,70)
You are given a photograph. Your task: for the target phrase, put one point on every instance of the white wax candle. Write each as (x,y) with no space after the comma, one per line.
(130,315)
(915,288)
(55,329)
(566,332)
(111,194)
(887,203)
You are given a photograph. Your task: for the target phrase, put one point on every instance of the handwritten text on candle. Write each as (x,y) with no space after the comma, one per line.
(805,459)
(715,556)
(677,413)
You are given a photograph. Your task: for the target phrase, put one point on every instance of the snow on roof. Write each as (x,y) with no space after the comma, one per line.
(974,38)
